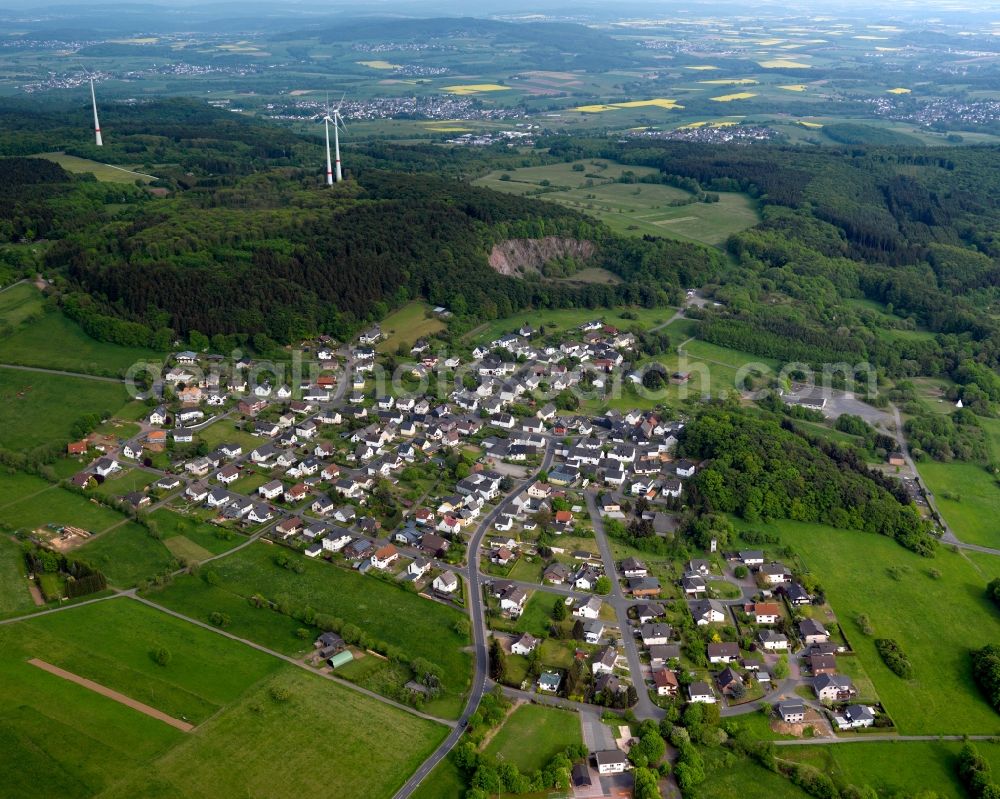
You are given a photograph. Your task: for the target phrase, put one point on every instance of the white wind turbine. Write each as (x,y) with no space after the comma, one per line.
(333,167)
(93,100)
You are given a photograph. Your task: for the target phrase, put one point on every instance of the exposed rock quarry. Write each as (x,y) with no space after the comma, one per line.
(517,257)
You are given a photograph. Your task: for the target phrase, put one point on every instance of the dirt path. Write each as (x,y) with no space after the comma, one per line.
(103,691)
(36,595)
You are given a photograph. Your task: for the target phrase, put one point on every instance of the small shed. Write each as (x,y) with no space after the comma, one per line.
(341,658)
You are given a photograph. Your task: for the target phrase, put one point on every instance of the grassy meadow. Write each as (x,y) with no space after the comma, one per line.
(416,626)
(533,734)
(406,325)
(34,411)
(930,765)
(255,716)
(127,555)
(937,610)
(53,341)
(14,596)
(631,208)
(103,172)
(968,498)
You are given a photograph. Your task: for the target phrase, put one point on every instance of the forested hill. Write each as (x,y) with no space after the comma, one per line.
(273,253)
(915,230)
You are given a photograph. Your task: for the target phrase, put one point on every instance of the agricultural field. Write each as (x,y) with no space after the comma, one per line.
(533,734)
(930,765)
(19,302)
(127,555)
(224,432)
(743,779)
(563,319)
(253,714)
(195,598)
(14,596)
(34,411)
(630,208)
(406,325)
(103,172)
(968,497)
(56,507)
(924,604)
(53,341)
(444,780)
(415,626)
(183,534)
(124,482)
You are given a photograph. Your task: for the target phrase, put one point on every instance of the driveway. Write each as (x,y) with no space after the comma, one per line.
(596,734)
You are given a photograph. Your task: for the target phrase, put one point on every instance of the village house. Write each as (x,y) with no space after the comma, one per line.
(791,711)
(611,761)
(446,583)
(772,641)
(665,682)
(833,687)
(524,645)
(700,691)
(812,632)
(385,557)
(271,490)
(589,609)
(604,661)
(724,652)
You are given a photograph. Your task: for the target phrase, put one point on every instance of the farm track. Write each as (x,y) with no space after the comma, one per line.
(61,372)
(128,701)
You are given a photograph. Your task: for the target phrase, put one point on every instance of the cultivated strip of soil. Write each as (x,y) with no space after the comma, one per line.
(103,691)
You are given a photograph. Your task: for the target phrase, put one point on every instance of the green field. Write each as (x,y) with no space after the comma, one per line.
(61,739)
(53,341)
(416,627)
(533,734)
(566,318)
(406,325)
(174,526)
(444,780)
(631,208)
(14,596)
(127,555)
(930,765)
(58,507)
(125,482)
(34,410)
(968,498)
(224,432)
(264,626)
(743,779)
(19,302)
(104,172)
(936,621)
(323,740)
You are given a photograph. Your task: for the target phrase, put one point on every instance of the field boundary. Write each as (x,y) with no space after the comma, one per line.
(97,688)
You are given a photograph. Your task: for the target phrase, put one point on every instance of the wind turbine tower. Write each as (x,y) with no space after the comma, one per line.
(333,171)
(97,124)
(337,123)
(329,167)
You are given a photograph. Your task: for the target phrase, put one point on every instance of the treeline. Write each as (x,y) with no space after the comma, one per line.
(761,471)
(986,671)
(976,775)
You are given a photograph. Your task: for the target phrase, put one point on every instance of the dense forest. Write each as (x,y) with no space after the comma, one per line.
(761,470)
(247,243)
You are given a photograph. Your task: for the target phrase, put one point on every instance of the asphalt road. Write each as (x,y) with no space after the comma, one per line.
(479,635)
(644,708)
